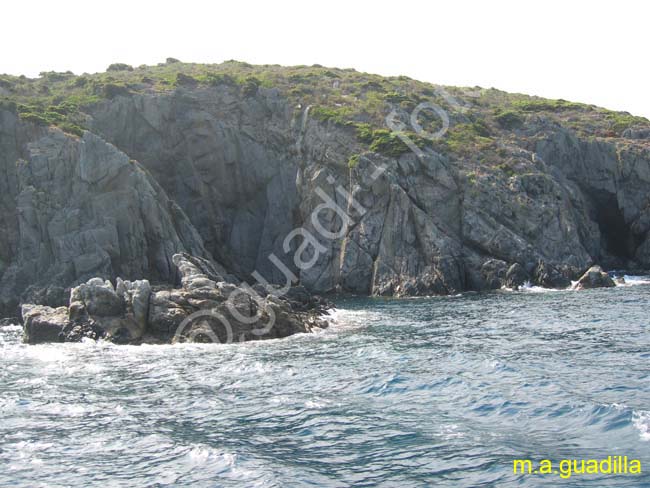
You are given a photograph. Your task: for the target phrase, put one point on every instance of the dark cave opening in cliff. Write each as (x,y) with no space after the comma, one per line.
(618,242)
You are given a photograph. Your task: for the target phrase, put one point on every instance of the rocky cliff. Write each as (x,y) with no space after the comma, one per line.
(272,173)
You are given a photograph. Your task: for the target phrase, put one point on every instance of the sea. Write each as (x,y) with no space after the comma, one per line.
(417,392)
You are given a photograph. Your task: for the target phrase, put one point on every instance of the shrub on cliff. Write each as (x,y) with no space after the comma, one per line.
(120,67)
(250,86)
(112,90)
(215,79)
(509,119)
(185,80)
(338,115)
(34,118)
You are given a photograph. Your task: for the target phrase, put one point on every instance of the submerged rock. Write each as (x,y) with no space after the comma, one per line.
(594,277)
(206,308)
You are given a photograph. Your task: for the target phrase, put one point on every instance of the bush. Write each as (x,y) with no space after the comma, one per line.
(546,105)
(468,138)
(353,161)
(364,133)
(387,143)
(70,128)
(506,169)
(120,67)
(215,79)
(509,120)
(81,82)
(54,76)
(185,80)
(172,61)
(250,86)
(64,108)
(395,97)
(34,118)
(112,90)
(622,120)
(338,115)
(480,128)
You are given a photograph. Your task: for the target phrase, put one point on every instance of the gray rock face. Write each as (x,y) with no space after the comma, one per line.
(82,209)
(516,276)
(594,277)
(228,177)
(424,226)
(552,277)
(202,310)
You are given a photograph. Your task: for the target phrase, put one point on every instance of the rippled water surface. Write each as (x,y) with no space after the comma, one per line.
(420,392)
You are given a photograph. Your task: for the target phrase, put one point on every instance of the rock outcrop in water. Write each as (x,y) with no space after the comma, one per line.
(595,277)
(206,308)
(519,189)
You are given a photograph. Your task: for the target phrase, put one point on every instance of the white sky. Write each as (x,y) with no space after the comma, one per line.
(592,51)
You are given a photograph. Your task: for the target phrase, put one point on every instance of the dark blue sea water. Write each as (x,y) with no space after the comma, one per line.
(419,392)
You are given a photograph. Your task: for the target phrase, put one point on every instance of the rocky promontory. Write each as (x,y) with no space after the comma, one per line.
(205,308)
(332,180)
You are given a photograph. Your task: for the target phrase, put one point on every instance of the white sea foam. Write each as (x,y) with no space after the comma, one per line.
(530,288)
(635,280)
(641,420)
(12,328)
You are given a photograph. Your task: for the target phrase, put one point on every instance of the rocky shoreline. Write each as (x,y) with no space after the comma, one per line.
(205,308)
(261,183)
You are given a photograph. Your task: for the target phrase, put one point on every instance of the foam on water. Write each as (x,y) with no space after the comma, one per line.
(441,391)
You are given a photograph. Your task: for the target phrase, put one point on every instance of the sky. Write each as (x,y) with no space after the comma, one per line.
(592,51)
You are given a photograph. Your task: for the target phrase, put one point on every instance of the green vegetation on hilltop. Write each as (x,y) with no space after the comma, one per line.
(355,101)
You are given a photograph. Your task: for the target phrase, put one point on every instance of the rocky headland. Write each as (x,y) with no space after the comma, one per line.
(134,198)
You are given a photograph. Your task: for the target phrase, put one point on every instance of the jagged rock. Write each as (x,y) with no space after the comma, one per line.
(225,311)
(136,299)
(494,273)
(516,276)
(96,298)
(80,208)
(594,277)
(549,276)
(44,324)
(637,133)
(202,309)
(119,315)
